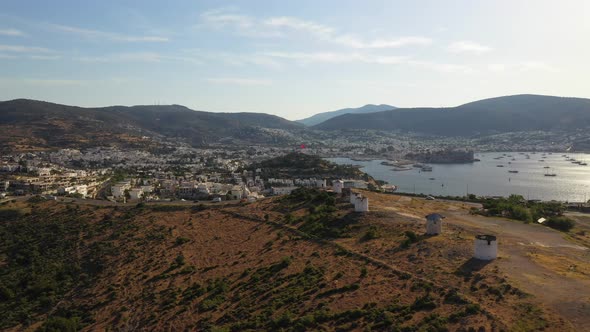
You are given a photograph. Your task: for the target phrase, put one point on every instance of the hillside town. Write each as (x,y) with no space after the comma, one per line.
(133,176)
(178,171)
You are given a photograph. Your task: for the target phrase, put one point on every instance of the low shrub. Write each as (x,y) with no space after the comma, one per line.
(560,223)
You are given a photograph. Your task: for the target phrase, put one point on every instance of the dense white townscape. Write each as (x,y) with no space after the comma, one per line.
(181,172)
(133,175)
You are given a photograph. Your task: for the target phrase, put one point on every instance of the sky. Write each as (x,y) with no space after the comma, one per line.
(291,58)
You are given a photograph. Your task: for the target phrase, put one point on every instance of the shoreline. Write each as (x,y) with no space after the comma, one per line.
(524,176)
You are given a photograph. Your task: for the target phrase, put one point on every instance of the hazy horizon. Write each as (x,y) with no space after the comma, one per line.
(291,59)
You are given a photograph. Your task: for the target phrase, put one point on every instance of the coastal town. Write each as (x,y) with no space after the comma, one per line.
(121,176)
(180,172)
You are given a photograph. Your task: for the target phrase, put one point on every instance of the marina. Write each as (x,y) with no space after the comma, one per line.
(556,178)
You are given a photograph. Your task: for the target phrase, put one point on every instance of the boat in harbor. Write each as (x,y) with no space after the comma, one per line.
(499,165)
(568,184)
(512,171)
(427,168)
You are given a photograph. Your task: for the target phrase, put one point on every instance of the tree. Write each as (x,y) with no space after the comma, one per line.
(560,223)
(520,213)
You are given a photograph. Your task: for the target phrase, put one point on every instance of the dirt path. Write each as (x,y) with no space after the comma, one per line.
(541,261)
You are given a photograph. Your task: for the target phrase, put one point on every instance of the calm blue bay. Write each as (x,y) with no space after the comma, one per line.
(486,178)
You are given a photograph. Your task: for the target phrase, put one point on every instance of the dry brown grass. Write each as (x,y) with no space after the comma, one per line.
(140,289)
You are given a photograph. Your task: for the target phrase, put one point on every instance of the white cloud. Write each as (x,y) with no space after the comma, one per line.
(239,81)
(96,34)
(44,82)
(468,47)
(52,82)
(336,58)
(233,59)
(136,57)
(24,49)
(242,24)
(522,66)
(354,42)
(376,84)
(246,59)
(300,25)
(442,67)
(31,52)
(497,67)
(12,32)
(45,57)
(304,57)
(536,66)
(280,26)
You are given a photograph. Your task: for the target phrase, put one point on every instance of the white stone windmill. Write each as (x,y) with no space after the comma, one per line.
(485,247)
(434,224)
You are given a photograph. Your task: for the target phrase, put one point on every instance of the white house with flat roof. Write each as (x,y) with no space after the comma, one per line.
(135,194)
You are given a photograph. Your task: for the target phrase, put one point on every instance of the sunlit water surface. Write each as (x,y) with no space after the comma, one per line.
(485,178)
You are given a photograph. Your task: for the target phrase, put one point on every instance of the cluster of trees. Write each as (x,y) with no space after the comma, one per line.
(303,165)
(516,207)
(321,220)
(41,265)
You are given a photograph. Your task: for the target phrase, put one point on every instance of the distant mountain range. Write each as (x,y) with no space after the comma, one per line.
(321,117)
(484,117)
(30,124)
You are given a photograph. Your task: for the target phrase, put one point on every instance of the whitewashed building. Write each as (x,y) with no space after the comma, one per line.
(118,190)
(236,192)
(359,184)
(337,186)
(282,190)
(135,194)
(147,188)
(320,183)
(485,247)
(361,204)
(434,224)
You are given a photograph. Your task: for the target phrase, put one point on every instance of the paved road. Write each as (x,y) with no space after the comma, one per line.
(98,202)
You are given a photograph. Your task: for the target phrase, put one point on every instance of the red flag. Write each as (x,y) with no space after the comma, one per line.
(303,146)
